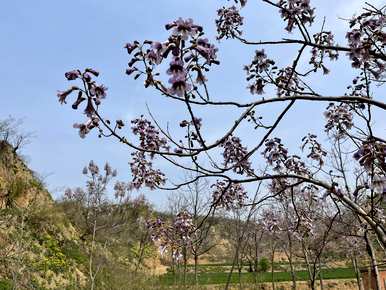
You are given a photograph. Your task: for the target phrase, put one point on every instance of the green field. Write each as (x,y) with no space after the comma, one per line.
(221,277)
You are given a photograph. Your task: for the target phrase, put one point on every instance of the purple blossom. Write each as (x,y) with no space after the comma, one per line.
(179,85)
(235,155)
(288,82)
(173,236)
(275,153)
(84,128)
(149,136)
(195,122)
(92,71)
(176,67)
(72,75)
(371,155)
(257,72)
(131,47)
(366,37)
(184,28)
(228,23)
(200,79)
(98,90)
(324,38)
(316,151)
(121,189)
(277,156)
(130,70)
(339,118)
(269,221)
(379,184)
(206,49)
(93,94)
(62,95)
(143,172)
(183,225)
(228,195)
(291,10)
(154,56)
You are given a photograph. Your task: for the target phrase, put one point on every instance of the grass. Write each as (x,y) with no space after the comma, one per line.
(6,285)
(213,267)
(221,278)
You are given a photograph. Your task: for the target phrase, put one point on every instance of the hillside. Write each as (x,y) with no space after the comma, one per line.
(39,248)
(45,245)
(19,186)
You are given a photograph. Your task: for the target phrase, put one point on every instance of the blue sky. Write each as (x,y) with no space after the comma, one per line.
(43,39)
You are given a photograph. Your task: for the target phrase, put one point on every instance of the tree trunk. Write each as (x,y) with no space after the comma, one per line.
(293,275)
(310,272)
(357,272)
(320,275)
(91,273)
(290,261)
(272,266)
(195,268)
(374,265)
(185,265)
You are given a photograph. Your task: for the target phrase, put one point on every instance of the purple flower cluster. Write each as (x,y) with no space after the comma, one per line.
(316,151)
(263,71)
(287,82)
(359,87)
(173,236)
(296,165)
(77,194)
(86,127)
(179,84)
(339,117)
(149,136)
(269,221)
(366,37)
(242,2)
(277,156)
(235,155)
(183,225)
(228,23)
(228,195)
(306,226)
(275,153)
(91,92)
(197,122)
(185,59)
(371,155)
(192,135)
(96,185)
(258,72)
(279,186)
(143,172)
(184,28)
(326,39)
(293,11)
(121,189)
(206,50)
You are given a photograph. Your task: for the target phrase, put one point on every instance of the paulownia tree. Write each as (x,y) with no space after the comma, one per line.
(177,68)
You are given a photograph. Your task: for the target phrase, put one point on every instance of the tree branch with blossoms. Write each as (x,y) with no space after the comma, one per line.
(189,57)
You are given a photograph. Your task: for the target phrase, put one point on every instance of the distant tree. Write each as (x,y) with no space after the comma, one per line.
(11,133)
(195,199)
(96,213)
(263,264)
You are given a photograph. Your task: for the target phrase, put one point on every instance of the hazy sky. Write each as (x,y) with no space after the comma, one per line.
(43,39)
